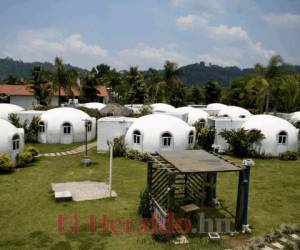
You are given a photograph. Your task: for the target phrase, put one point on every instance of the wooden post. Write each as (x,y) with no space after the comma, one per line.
(240,202)
(171,191)
(149,176)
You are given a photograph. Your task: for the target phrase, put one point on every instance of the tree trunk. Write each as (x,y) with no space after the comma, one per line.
(59,94)
(267,102)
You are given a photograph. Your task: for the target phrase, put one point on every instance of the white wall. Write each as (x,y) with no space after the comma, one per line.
(110,128)
(223,123)
(27,102)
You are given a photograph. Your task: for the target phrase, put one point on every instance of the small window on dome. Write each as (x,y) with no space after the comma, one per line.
(202,123)
(191,137)
(242,116)
(89,126)
(16,142)
(136,137)
(166,139)
(67,128)
(42,127)
(282,137)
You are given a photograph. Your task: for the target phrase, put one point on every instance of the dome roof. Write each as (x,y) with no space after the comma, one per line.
(234,112)
(6,138)
(7,127)
(268,124)
(194,114)
(153,126)
(64,114)
(93,105)
(7,108)
(295,116)
(163,107)
(216,106)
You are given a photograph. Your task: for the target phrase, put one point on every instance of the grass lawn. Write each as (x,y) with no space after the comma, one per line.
(28,213)
(52,148)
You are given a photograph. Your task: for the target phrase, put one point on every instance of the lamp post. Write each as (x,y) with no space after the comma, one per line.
(111,147)
(86,160)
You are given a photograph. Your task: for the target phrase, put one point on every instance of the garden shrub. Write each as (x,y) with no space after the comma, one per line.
(288,156)
(119,149)
(5,163)
(136,155)
(34,151)
(205,136)
(24,158)
(144,206)
(241,140)
(31,129)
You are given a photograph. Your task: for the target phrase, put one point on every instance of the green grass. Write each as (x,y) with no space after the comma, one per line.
(28,212)
(52,148)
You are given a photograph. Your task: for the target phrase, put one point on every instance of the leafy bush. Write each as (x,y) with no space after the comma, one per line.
(241,140)
(34,151)
(144,206)
(119,149)
(204,136)
(24,158)
(5,163)
(288,156)
(31,129)
(136,155)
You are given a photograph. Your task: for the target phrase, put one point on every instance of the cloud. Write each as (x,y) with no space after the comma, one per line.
(231,45)
(147,56)
(191,21)
(38,45)
(286,20)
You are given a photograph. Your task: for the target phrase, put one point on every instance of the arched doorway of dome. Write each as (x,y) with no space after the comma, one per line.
(66,136)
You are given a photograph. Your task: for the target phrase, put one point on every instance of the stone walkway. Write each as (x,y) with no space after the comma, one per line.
(77,150)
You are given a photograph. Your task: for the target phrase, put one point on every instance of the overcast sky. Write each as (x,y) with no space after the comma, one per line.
(146,33)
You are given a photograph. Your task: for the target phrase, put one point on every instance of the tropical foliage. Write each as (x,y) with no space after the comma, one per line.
(241,141)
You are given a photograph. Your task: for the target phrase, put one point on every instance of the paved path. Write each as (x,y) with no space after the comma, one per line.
(74,151)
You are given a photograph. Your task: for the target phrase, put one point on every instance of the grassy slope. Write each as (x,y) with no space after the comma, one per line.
(28,212)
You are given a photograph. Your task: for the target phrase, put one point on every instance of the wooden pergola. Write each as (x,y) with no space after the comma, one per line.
(174,177)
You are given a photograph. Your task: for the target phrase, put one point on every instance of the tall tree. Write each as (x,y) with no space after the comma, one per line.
(197,94)
(269,79)
(212,92)
(174,89)
(156,86)
(62,78)
(40,85)
(138,92)
(88,88)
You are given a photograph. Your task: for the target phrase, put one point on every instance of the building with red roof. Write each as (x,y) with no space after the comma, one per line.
(23,96)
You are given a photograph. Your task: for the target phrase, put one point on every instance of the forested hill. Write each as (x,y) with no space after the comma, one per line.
(20,69)
(198,73)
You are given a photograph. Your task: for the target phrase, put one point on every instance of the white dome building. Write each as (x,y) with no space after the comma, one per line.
(216,106)
(194,115)
(161,107)
(295,119)
(158,132)
(280,135)
(11,139)
(66,125)
(234,112)
(93,105)
(6,109)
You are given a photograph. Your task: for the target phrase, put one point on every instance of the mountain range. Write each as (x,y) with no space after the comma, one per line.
(192,74)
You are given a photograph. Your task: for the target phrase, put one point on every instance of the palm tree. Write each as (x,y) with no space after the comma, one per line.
(268,80)
(62,77)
